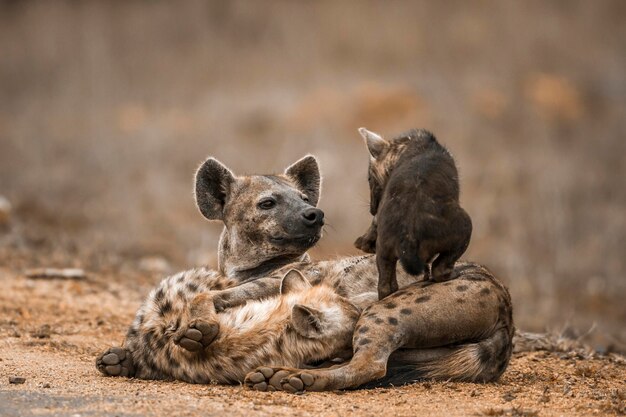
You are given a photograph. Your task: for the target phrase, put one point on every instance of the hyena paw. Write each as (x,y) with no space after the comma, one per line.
(285,379)
(442,274)
(266,378)
(116,361)
(198,336)
(365,244)
(221,302)
(304,381)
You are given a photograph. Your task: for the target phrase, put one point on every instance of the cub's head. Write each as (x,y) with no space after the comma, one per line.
(319,313)
(265,216)
(383,157)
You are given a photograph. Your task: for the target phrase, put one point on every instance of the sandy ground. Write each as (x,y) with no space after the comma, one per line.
(51,330)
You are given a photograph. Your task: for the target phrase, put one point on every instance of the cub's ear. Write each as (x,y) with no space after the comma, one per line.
(307,321)
(376,145)
(306,174)
(294,281)
(213,184)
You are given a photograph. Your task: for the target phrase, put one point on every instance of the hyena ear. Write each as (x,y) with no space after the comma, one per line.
(294,281)
(307,321)
(364,300)
(306,174)
(213,183)
(376,145)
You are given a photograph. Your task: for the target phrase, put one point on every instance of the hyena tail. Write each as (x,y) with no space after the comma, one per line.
(483,361)
(412,264)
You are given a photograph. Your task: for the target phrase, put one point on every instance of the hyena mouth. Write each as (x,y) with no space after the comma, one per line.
(301,240)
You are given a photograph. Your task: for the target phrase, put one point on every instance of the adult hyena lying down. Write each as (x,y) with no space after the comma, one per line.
(460,330)
(304,323)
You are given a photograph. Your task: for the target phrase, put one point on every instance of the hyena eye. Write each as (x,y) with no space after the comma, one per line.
(267,203)
(305,199)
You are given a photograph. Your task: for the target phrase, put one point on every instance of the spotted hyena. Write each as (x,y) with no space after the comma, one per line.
(304,323)
(414,189)
(459,329)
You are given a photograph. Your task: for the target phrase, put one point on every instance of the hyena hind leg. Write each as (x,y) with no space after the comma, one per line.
(443,266)
(458,241)
(202,328)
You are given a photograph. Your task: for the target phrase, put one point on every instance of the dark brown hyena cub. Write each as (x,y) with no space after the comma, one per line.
(414,192)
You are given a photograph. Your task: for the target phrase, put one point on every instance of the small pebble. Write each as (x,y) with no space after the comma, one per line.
(16,380)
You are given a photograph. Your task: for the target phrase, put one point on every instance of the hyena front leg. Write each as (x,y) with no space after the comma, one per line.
(253,290)
(387,282)
(367,242)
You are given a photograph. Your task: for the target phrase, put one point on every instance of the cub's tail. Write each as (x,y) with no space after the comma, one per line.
(412,264)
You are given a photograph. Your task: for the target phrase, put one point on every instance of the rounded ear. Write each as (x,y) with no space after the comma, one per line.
(307,321)
(294,281)
(306,174)
(213,183)
(375,143)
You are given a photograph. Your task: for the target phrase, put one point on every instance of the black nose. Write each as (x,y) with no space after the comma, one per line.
(313,217)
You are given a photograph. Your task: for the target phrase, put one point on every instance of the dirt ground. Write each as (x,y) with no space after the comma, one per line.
(107,107)
(51,330)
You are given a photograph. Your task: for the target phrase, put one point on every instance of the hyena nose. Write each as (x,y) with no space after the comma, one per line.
(313,217)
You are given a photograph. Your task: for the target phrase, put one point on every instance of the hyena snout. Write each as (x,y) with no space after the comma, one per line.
(313,217)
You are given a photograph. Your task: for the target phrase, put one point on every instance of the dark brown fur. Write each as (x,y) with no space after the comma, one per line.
(414,188)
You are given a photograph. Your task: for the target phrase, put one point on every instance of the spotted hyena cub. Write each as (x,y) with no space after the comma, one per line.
(414,191)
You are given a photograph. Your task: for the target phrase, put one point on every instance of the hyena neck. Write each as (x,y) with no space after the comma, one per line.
(246,264)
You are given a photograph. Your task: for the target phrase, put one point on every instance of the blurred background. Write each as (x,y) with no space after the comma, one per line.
(107,108)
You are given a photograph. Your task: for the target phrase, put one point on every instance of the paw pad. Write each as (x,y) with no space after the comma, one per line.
(115,361)
(198,336)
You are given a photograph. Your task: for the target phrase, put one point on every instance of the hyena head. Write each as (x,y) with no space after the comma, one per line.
(383,157)
(269,220)
(319,313)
